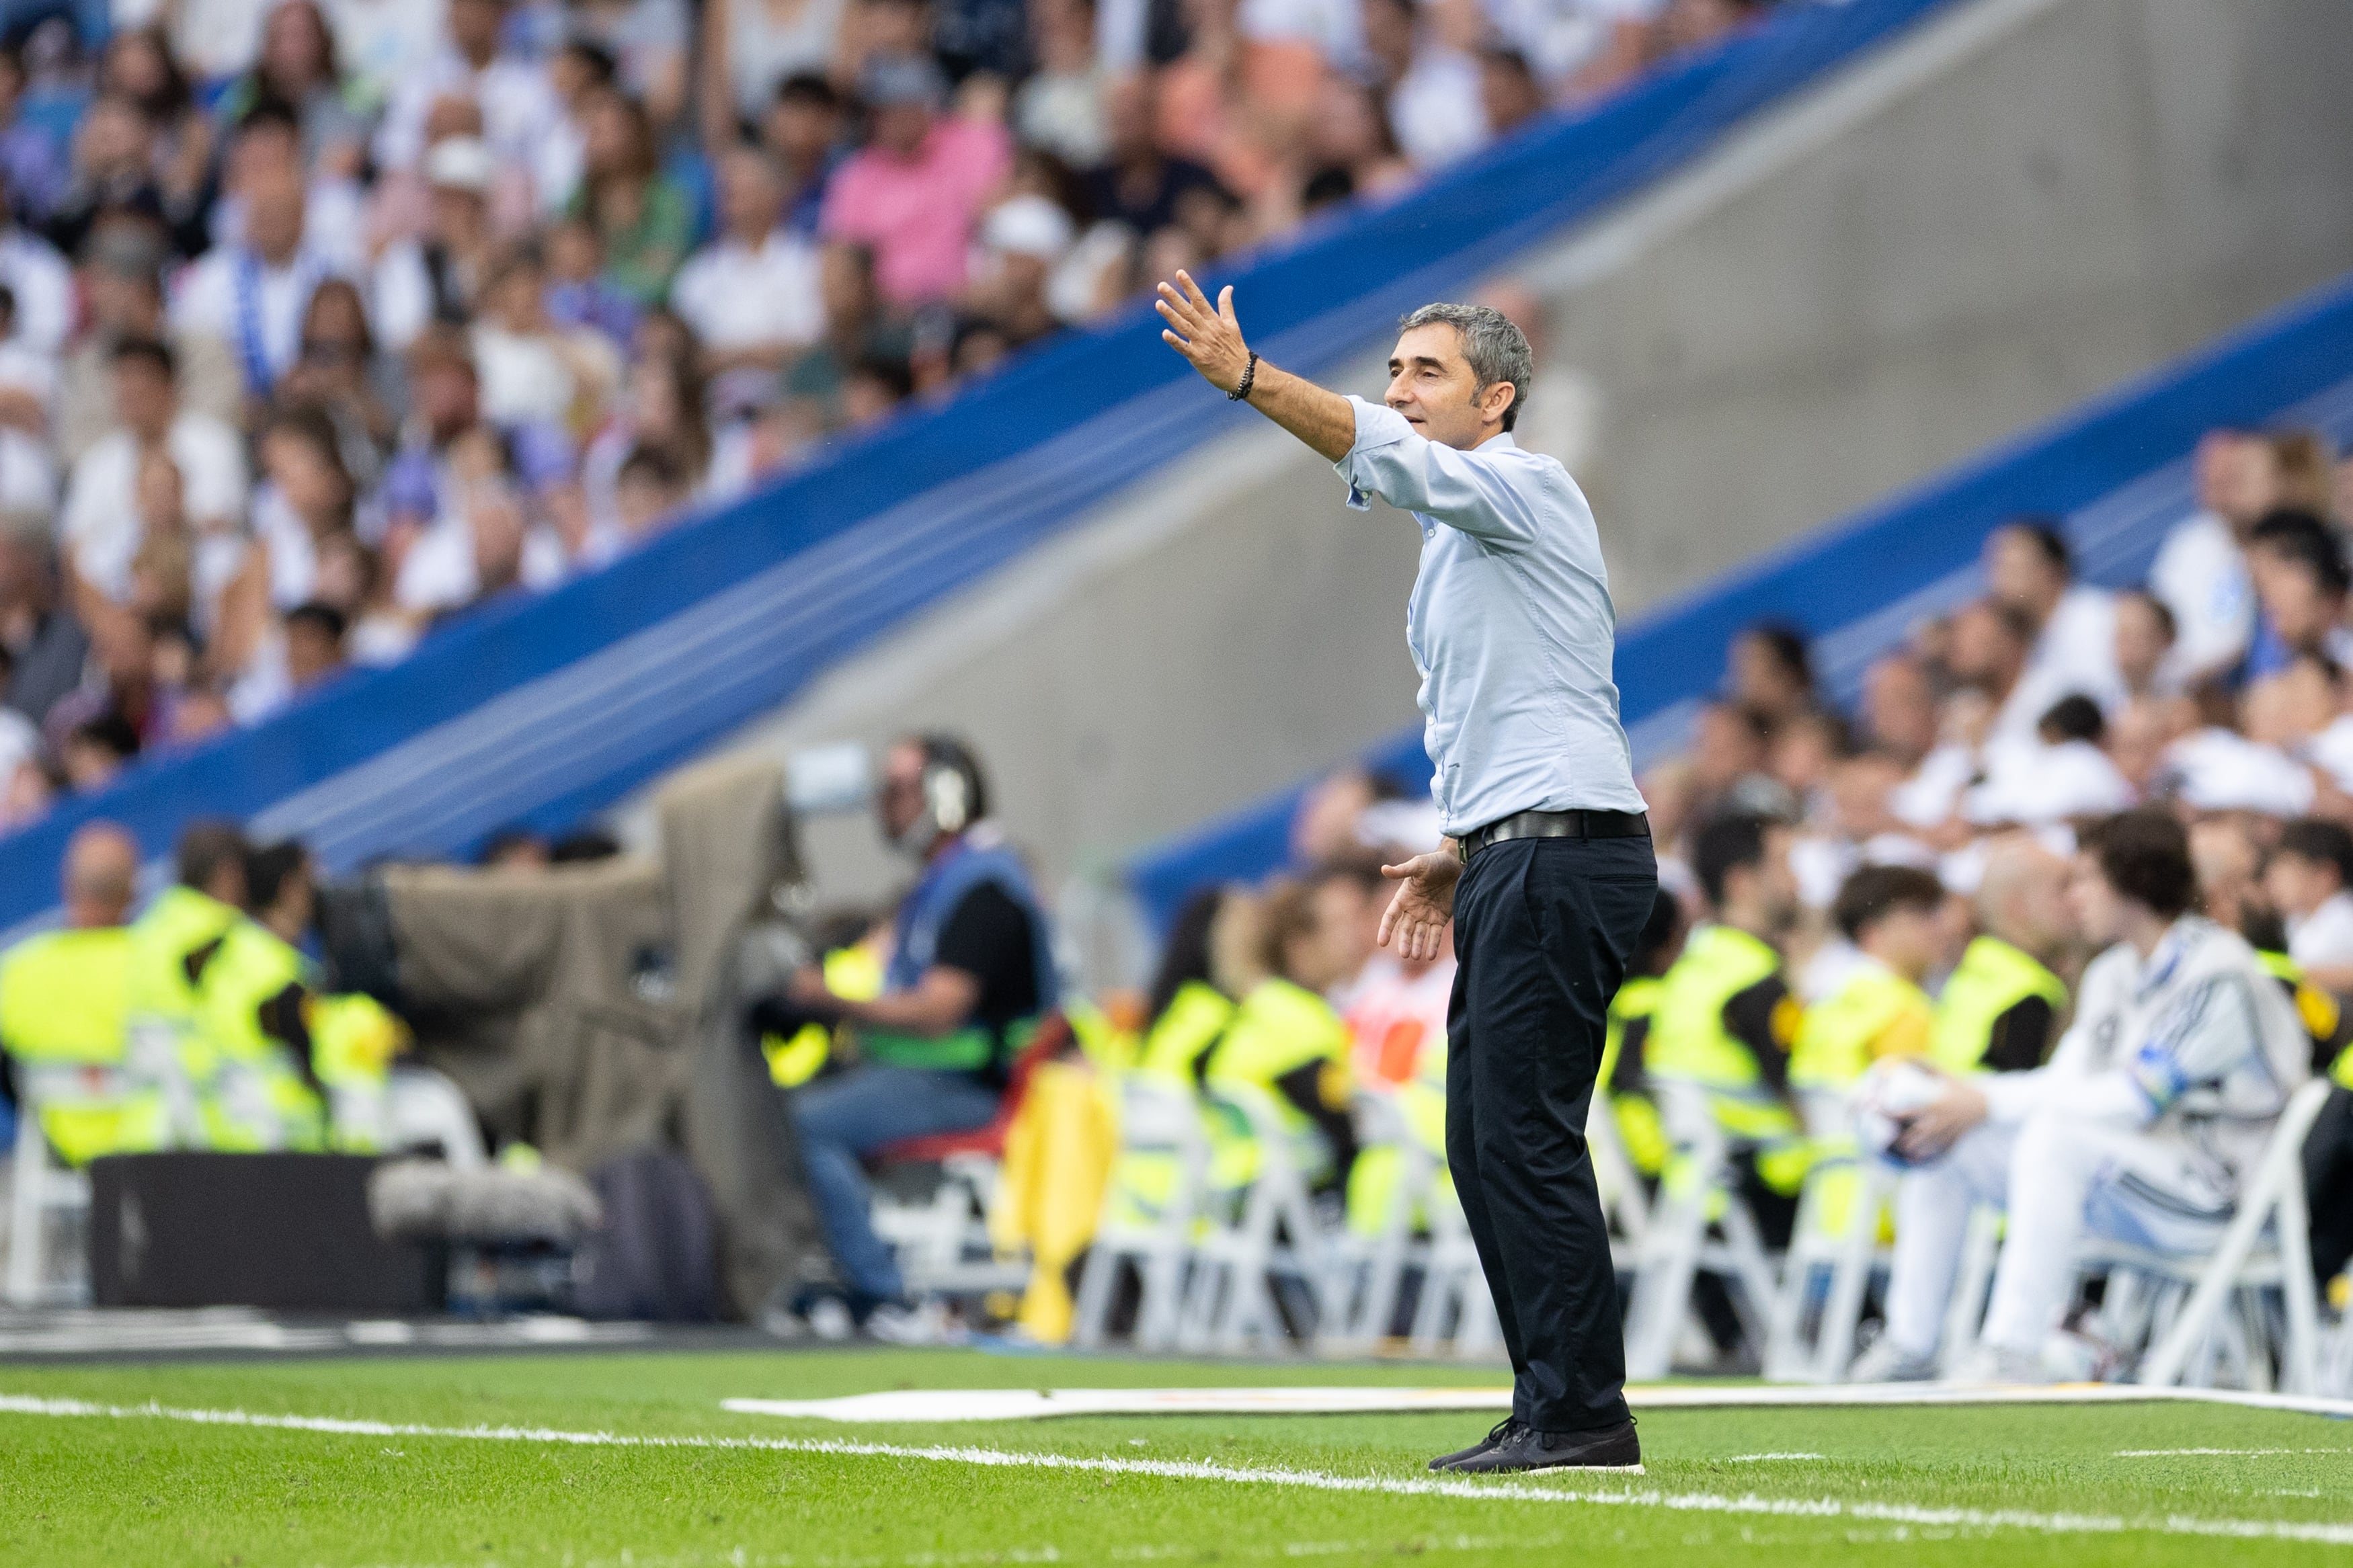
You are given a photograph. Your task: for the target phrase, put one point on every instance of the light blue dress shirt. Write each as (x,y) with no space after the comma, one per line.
(1510,624)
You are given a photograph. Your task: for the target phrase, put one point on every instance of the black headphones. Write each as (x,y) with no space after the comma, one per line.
(956,795)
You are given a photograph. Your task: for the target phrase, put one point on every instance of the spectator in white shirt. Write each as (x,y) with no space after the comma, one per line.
(753,295)
(37,276)
(2309,880)
(334,216)
(1428,69)
(101,528)
(2073,650)
(435,277)
(2201,571)
(2144,639)
(522,118)
(253,296)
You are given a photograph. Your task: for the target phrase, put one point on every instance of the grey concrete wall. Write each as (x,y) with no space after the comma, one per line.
(2018,206)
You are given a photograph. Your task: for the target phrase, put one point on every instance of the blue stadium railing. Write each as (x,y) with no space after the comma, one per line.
(2116,472)
(541,710)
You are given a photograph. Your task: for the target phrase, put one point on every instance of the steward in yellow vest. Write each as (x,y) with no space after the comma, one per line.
(1188,1016)
(1725,1020)
(284,1067)
(1623,1085)
(170,942)
(61,1014)
(1286,1042)
(1877,1009)
(2000,1007)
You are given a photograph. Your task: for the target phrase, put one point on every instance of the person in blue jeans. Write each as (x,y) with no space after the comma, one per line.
(970,968)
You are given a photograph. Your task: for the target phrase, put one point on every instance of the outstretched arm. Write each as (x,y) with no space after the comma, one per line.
(1208,336)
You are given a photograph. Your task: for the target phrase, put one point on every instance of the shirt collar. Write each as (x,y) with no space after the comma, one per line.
(1500,441)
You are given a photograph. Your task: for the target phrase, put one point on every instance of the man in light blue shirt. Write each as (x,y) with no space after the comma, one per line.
(1548,875)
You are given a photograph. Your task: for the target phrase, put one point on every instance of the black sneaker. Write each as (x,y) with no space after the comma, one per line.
(1525,1448)
(1503,1432)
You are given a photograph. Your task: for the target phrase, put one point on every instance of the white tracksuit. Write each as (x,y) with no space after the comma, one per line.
(2158,1097)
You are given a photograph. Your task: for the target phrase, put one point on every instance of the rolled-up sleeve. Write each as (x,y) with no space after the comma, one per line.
(1462,489)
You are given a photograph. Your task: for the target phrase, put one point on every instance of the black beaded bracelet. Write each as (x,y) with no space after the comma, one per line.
(1250,374)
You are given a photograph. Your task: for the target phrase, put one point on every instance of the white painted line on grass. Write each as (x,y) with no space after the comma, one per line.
(1762,1458)
(1520,1491)
(2203,1454)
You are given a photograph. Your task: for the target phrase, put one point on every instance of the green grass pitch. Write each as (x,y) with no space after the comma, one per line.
(1813,1487)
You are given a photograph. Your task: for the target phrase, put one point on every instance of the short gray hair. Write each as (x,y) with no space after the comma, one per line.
(1497,349)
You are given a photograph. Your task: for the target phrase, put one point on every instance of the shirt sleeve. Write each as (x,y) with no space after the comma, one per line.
(2016,1041)
(1464,490)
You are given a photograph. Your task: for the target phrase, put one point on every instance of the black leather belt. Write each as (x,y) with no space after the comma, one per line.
(1558,825)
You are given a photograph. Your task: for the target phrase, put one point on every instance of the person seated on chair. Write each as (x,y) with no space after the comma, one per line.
(971,970)
(281,1065)
(1876,1009)
(192,914)
(1624,1085)
(64,1039)
(2156,1102)
(1185,1016)
(1286,1042)
(2000,1008)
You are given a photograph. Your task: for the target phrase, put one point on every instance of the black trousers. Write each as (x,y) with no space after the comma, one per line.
(2329,1185)
(1542,930)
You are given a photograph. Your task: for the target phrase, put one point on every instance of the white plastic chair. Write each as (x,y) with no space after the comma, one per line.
(1843,1257)
(1622,1199)
(1161,1118)
(1456,1310)
(44,1195)
(1364,1274)
(1677,1248)
(1230,1300)
(2267,1246)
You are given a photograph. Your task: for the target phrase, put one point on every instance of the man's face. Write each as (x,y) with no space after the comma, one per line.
(2019,574)
(1986,653)
(2296,886)
(799,131)
(750,198)
(899,800)
(1899,709)
(474,28)
(2301,610)
(1908,939)
(2142,640)
(1768,889)
(2236,477)
(2097,907)
(899,128)
(143,398)
(1433,384)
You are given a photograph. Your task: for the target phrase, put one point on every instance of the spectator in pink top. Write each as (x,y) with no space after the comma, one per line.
(915,193)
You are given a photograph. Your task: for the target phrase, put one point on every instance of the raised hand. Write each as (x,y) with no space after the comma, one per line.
(1415,922)
(1205,334)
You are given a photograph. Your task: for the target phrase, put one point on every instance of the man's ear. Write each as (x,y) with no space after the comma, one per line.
(1496,399)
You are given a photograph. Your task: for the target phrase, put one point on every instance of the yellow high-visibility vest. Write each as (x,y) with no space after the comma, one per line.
(1992,977)
(1278,1028)
(62,1018)
(1877,1013)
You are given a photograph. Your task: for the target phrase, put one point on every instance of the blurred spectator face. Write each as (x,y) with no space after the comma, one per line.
(2143,636)
(123,301)
(846,276)
(899,799)
(661,335)
(346,575)
(1346,130)
(2225,856)
(2290,707)
(29,793)
(1859,790)
(134,66)
(113,143)
(458,214)
(2021,898)
(310,480)
(2296,886)
(1389,37)
(1727,745)
(801,130)
(576,254)
(899,128)
(1335,944)
(445,394)
(892,27)
(1804,749)
(979,349)
(1762,679)
(516,297)
(1766,893)
(314,650)
(1130,105)
(2237,478)
(2097,909)
(273,213)
(1908,938)
(474,28)
(867,396)
(200,712)
(1325,824)
(1899,708)
(2300,608)
(91,761)
(295,48)
(645,497)
(1987,652)
(264,146)
(750,197)
(1507,91)
(2138,737)
(1696,24)
(2019,574)
(610,139)
(143,399)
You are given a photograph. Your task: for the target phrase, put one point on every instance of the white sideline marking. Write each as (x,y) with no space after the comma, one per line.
(1762,1458)
(2327,1534)
(2187,1454)
(950,1405)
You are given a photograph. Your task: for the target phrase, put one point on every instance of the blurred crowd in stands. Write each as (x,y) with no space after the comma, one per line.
(323,319)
